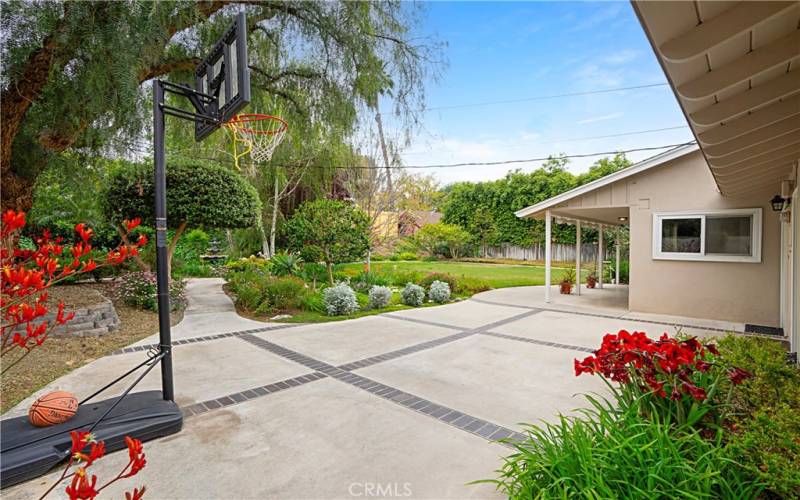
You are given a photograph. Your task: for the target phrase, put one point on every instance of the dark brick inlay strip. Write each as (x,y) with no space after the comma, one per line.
(422,321)
(205,338)
(600,315)
(423,346)
(468,423)
(248,394)
(539,342)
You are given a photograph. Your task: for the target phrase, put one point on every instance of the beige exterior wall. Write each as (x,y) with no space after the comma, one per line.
(731,291)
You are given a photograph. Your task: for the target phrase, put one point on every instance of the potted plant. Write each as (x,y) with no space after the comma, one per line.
(591,281)
(567,280)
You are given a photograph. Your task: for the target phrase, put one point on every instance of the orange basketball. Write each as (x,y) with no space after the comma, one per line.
(53,408)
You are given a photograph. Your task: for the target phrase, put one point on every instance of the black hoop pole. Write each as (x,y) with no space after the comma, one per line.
(162,270)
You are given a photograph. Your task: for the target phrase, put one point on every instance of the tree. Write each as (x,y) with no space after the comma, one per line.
(72,72)
(330,231)
(417,192)
(483,227)
(432,237)
(200,195)
(468,203)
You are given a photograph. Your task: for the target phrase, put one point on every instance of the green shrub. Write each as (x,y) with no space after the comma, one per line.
(451,281)
(406,256)
(313,302)
(379,296)
(249,264)
(313,273)
(363,281)
(248,295)
(613,451)
(439,292)
(286,264)
(340,299)
(282,293)
(766,414)
(138,289)
(471,285)
(413,295)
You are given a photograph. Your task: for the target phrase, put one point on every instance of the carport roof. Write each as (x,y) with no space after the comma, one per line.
(538,209)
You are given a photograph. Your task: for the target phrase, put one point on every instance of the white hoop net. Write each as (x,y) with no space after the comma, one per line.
(256,135)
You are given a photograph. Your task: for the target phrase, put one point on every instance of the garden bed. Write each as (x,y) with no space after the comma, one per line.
(60,355)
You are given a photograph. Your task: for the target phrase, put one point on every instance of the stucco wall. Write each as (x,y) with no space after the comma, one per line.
(731,291)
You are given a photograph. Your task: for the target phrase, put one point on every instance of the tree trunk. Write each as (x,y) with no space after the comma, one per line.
(172,245)
(17,191)
(369,260)
(329,266)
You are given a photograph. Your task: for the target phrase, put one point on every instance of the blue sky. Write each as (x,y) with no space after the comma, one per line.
(514,50)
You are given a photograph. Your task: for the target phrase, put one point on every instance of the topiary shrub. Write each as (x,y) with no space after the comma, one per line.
(439,292)
(379,296)
(340,299)
(413,295)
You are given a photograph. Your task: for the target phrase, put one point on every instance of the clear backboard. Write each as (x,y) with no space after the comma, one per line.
(225,77)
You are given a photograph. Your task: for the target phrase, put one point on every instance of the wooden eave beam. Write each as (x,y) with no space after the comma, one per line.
(762,117)
(775,89)
(728,24)
(780,51)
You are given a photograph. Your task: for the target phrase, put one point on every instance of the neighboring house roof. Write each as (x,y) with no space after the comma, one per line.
(637,168)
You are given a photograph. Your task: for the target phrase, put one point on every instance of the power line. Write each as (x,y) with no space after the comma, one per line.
(487,163)
(545,97)
(528,160)
(552,141)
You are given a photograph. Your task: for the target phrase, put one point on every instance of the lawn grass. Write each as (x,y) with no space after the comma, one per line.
(496,275)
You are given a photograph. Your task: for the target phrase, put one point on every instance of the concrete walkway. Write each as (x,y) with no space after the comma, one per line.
(409,403)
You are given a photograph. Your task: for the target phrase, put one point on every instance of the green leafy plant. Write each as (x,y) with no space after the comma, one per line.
(379,297)
(340,300)
(439,292)
(248,264)
(441,237)
(621,449)
(451,280)
(138,289)
(329,231)
(286,264)
(413,295)
(766,414)
(200,195)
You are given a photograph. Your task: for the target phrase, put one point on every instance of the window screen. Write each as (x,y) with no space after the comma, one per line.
(729,235)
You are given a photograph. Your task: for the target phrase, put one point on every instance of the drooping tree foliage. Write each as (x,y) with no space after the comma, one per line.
(72,72)
(200,195)
(486,209)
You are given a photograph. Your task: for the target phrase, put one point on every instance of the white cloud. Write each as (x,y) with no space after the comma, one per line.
(622,56)
(602,118)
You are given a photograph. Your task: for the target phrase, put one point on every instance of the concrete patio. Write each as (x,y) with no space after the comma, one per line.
(411,402)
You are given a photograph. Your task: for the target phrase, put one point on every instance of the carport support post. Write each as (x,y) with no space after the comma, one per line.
(600,256)
(577,257)
(616,271)
(548,233)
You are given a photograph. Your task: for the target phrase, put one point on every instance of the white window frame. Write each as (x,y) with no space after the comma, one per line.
(755,213)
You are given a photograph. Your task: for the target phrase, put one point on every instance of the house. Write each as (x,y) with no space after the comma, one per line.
(712,224)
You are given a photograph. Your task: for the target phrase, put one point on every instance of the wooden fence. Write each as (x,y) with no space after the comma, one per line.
(560,252)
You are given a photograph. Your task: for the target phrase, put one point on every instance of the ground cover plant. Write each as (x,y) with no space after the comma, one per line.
(413,295)
(340,300)
(684,420)
(439,292)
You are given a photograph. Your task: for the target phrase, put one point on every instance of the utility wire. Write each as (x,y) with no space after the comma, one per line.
(545,97)
(486,163)
(554,141)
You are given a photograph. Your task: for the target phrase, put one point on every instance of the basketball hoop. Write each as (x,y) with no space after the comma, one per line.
(258,134)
